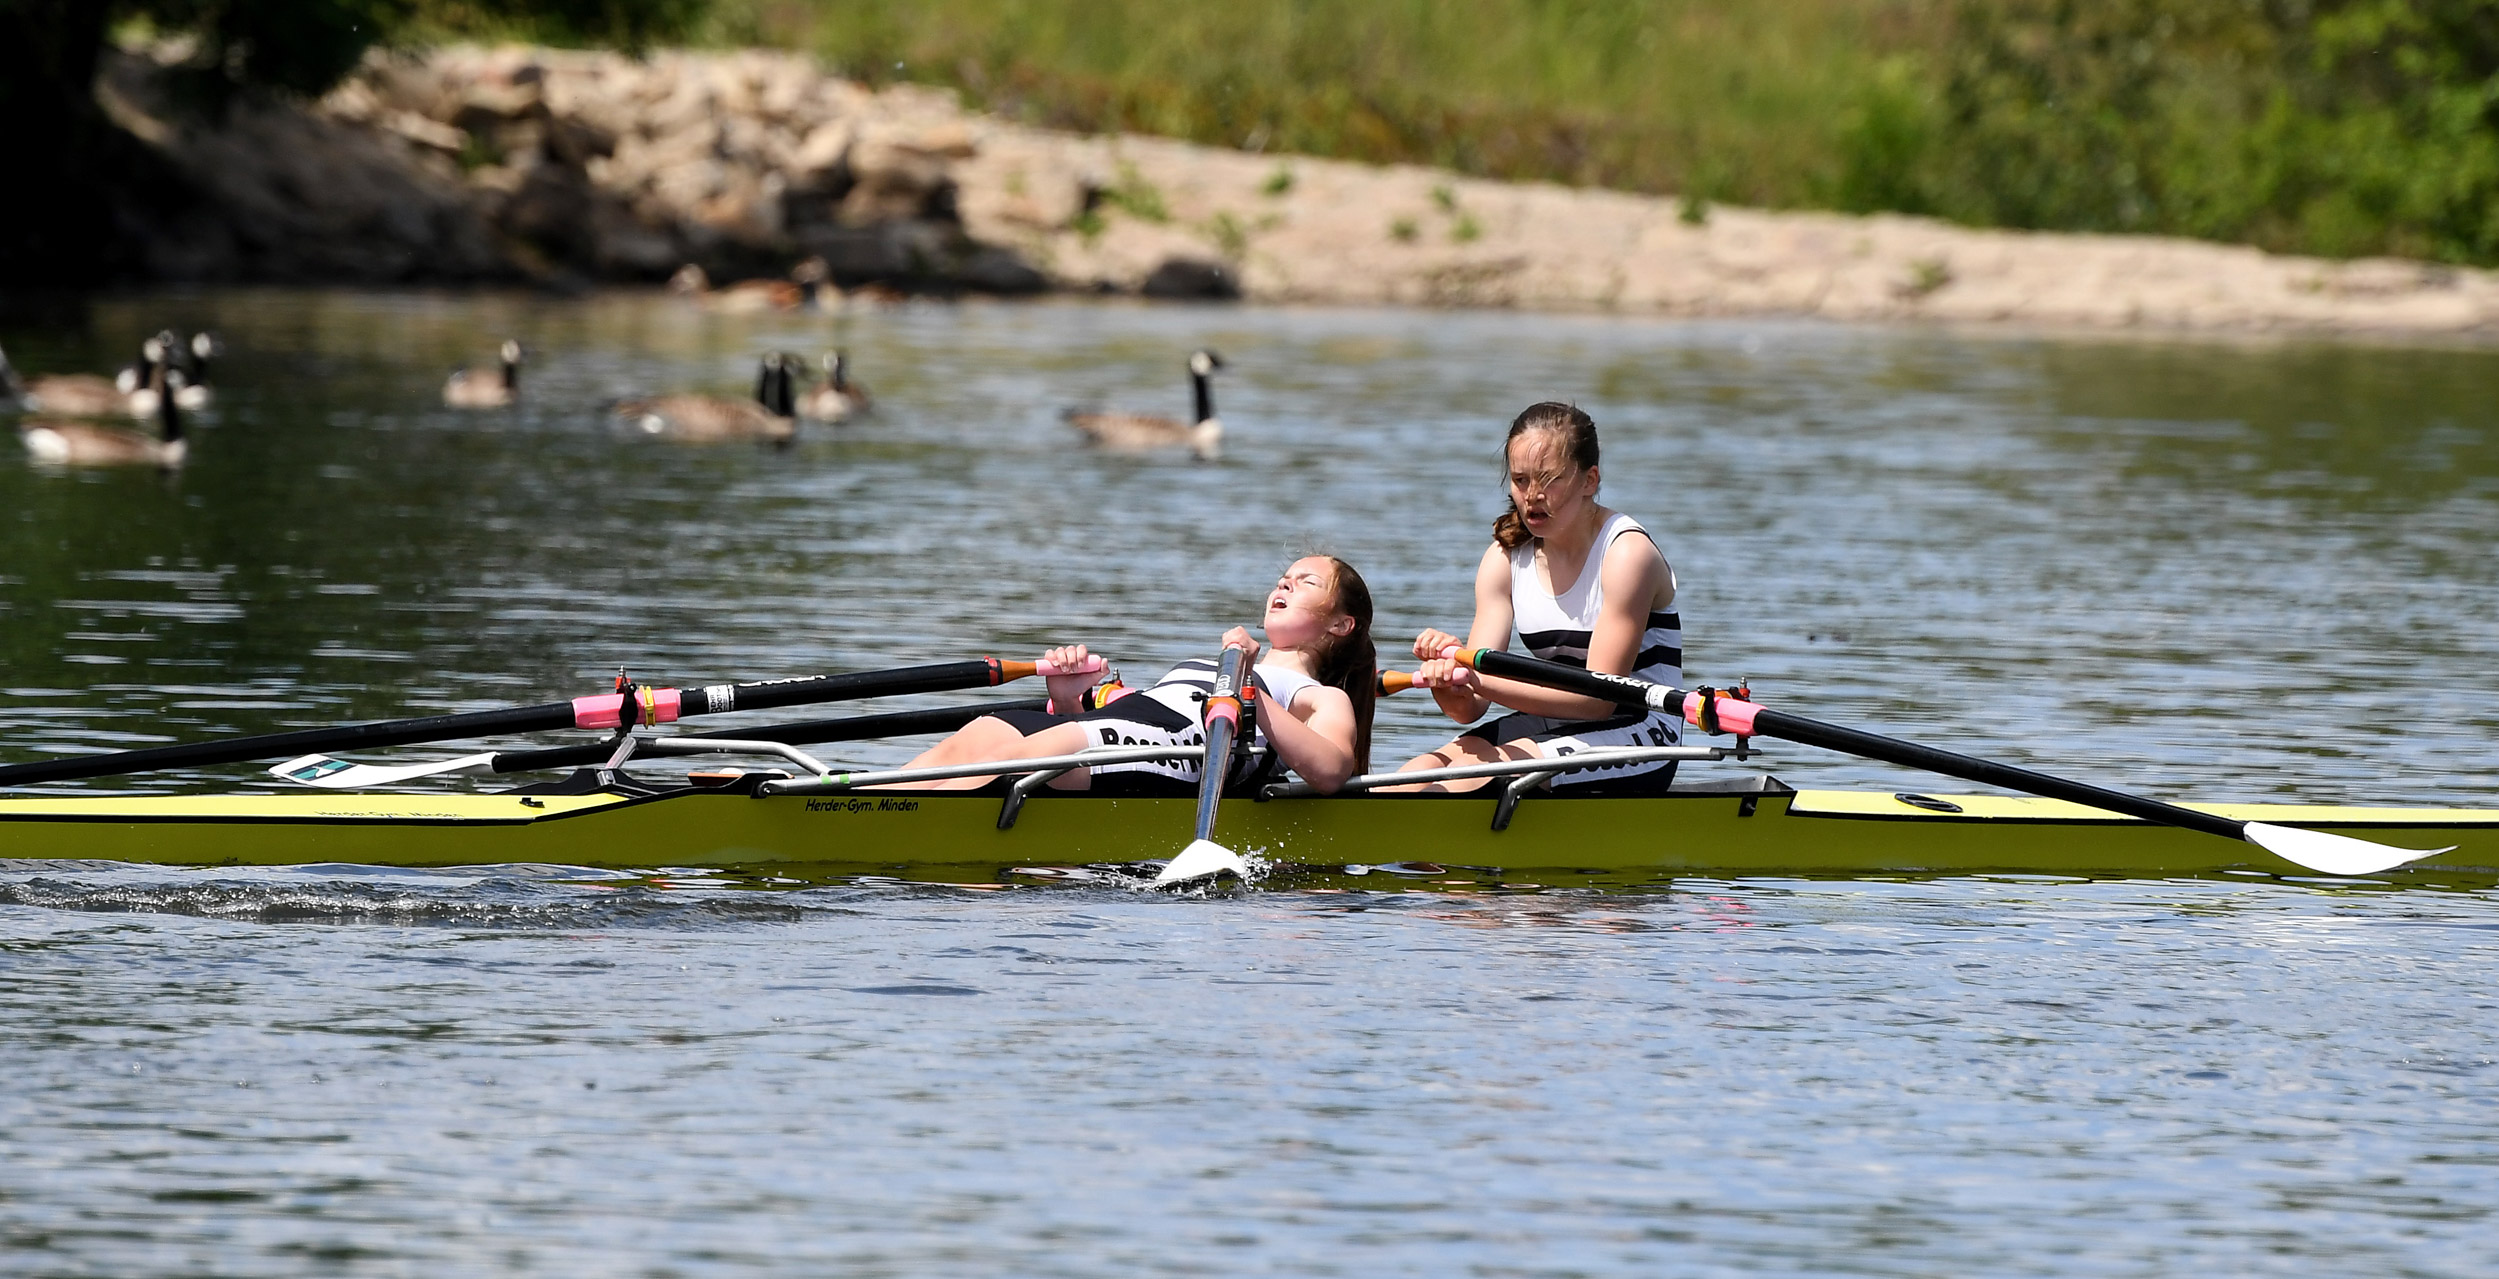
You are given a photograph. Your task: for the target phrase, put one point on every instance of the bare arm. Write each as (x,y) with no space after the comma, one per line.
(1460,695)
(1315,737)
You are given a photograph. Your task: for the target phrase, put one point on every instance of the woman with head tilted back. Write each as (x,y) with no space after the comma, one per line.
(1314,684)
(1581,584)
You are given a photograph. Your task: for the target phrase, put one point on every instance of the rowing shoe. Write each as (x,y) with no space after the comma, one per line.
(1715,712)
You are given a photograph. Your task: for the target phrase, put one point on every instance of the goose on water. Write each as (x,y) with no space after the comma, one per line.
(808,282)
(131,392)
(59,443)
(837,398)
(190,383)
(487,387)
(1140,432)
(705,419)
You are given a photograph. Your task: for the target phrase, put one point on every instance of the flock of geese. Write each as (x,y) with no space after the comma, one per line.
(67,419)
(69,416)
(773,413)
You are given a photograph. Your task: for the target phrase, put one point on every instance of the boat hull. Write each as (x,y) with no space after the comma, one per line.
(956,837)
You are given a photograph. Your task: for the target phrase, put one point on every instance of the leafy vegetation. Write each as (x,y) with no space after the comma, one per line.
(1635,94)
(2339,127)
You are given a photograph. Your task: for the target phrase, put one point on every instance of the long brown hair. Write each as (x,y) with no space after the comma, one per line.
(1579,440)
(1350,661)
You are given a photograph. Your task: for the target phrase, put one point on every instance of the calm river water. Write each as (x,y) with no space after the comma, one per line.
(2204,569)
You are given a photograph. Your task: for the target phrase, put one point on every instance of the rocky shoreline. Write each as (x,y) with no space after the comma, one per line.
(575,168)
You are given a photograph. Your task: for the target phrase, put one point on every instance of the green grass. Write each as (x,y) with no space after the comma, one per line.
(1745,101)
(2336,127)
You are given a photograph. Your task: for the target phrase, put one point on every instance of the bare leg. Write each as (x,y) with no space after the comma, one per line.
(988,740)
(1465,750)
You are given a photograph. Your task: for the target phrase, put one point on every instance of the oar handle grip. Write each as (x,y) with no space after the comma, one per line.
(1392,682)
(1733,714)
(1092,665)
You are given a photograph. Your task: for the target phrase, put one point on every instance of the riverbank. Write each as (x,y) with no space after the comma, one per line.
(569,168)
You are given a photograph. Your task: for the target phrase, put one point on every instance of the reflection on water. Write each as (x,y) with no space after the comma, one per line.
(2225,570)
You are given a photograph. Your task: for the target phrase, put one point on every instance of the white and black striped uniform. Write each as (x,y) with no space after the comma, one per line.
(1558,628)
(1171,712)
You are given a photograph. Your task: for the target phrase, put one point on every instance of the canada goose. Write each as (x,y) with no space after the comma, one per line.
(131,392)
(705,419)
(1138,432)
(486,387)
(191,387)
(838,398)
(88,444)
(808,282)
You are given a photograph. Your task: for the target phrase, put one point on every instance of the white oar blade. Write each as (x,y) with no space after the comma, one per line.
(1202,859)
(2333,854)
(338,774)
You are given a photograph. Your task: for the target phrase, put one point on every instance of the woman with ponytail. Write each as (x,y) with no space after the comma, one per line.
(1580,584)
(1315,689)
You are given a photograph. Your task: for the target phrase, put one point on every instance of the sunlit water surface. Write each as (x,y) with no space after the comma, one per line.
(2208,570)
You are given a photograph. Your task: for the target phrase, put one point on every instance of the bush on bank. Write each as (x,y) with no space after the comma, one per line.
(2335,127)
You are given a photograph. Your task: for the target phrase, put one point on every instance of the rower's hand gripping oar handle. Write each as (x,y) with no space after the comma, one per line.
(1712,710)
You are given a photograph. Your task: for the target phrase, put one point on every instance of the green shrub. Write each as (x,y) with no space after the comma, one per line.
(2339,127)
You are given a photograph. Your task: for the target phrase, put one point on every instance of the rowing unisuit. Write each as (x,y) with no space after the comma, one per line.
(1557,628)
(1169,712)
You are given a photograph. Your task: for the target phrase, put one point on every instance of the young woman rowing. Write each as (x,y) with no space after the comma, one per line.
(1315,689)
(1581,584)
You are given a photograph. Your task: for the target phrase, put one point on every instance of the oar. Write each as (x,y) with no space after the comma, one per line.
(2316,850)
(649,706)
(1204,858)
(338,774)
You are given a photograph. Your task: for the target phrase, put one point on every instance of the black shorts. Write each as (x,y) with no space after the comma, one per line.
(1558,737)
(1138,720)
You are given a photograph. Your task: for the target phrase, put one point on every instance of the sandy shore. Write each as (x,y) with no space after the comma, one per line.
(482,164)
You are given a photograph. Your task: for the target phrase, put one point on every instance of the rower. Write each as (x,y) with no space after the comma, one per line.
(1581,584)
(1314,697)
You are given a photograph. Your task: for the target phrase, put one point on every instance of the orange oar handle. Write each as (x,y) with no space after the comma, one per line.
(1093,665)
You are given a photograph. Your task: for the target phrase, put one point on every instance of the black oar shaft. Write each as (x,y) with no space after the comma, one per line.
(1892,750)
(1223,725)
(1624,690)
(709,700)
(517,719)
(852,728)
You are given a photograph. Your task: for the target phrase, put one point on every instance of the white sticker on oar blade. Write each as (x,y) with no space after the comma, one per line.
(2333,854)
(338,774)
